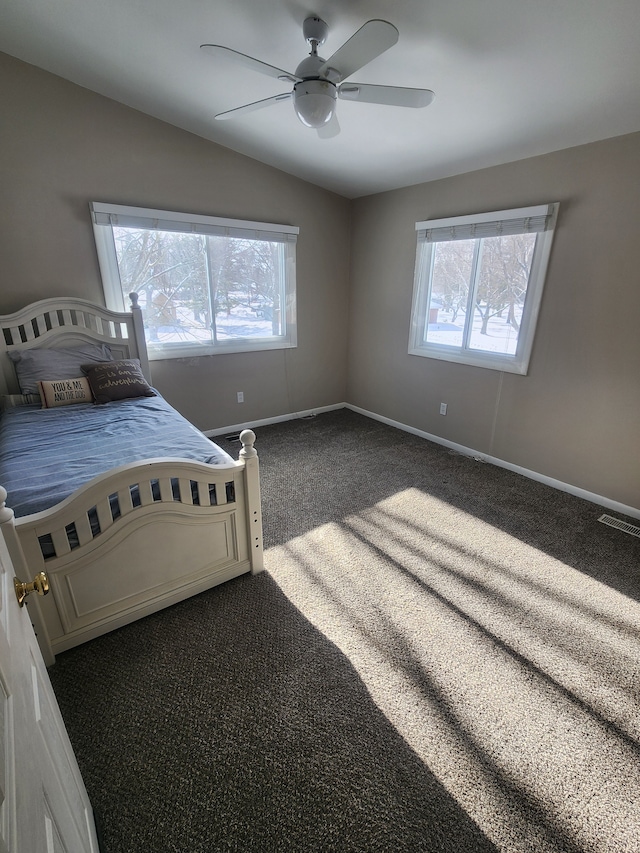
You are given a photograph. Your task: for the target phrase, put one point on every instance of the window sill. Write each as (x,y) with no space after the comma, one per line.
(488,361)
(168,352)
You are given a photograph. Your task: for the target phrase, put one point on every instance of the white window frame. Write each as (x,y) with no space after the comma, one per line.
(539,219)
(105,216)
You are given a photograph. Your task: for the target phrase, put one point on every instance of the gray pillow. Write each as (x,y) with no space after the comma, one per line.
(36,365)
(117,380)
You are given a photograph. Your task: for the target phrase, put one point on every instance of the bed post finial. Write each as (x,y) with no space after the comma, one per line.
(6,514)
(247,437)
(134,300)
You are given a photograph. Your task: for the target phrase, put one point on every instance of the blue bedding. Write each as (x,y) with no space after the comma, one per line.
(46,454)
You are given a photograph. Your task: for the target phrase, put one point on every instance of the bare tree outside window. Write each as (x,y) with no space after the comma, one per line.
(478,285)
(488,278)
(205,284)
(199,287)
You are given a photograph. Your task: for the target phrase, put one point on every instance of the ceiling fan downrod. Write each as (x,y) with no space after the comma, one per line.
(314,96)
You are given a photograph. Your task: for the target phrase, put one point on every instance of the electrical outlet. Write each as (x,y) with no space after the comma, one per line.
(443,408)
(241,396)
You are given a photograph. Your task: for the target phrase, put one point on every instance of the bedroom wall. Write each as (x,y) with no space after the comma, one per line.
(63,146)
(575,417)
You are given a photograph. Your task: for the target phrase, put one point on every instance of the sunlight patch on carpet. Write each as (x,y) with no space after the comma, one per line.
(498,664)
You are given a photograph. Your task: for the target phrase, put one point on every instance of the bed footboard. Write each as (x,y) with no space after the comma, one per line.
(135,540)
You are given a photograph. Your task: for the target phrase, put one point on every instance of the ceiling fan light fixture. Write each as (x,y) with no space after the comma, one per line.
(318,82)
(314,102)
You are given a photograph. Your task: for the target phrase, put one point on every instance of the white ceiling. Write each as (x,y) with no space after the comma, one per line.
(512,78)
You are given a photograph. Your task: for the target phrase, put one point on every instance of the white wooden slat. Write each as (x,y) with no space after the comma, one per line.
(15,335)
(186,496)
(29,334)
(203,493)
(105,519)
(124,500)
(81,320)
(166,492)
(221,494)
(67,319)
(53,319)
(144,489)
(83,529)
(41,323)
(60,542)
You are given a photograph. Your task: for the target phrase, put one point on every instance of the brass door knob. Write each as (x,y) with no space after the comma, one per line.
(39,584)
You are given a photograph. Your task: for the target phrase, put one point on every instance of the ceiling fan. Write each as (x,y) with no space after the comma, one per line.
(318,82)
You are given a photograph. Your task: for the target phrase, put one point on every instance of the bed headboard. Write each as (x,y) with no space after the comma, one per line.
(54,323)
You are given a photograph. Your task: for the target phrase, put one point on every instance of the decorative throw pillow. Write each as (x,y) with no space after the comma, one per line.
(117,380)
(64,392)
(36,365)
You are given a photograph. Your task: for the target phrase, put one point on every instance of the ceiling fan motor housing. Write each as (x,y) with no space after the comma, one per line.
(315,30)
(314,101)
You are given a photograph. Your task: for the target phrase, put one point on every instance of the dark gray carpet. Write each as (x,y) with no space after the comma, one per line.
(441,656)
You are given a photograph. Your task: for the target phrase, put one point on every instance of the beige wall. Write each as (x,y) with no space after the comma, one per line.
(576,416)
(62,146)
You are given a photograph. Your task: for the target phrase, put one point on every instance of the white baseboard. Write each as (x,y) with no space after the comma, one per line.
(483,457)
(633,512)
(233,428)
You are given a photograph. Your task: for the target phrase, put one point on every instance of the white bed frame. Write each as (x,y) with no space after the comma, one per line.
(154,554)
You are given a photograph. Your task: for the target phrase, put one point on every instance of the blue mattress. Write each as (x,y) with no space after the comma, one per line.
(46,454)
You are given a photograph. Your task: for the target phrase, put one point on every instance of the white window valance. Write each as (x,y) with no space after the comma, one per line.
(525,220)
(121,216)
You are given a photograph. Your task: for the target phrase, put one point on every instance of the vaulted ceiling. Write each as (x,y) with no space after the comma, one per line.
(512,79)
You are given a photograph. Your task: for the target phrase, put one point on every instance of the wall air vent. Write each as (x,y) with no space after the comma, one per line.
(620,525)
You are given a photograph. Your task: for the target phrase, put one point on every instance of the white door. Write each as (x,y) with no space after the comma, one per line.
(44,805)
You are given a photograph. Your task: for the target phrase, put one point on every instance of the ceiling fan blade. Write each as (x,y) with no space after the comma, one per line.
(249,62)
(330,129)
(394,96)
(256,105)
(372,39)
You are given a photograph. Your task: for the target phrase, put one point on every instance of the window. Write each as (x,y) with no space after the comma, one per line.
(205,284)
(478,285)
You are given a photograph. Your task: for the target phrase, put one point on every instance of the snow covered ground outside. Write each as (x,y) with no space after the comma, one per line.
(240,323)
(243,322)
(501,336)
